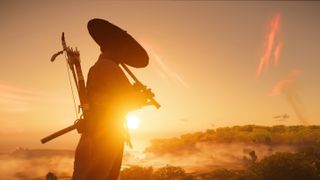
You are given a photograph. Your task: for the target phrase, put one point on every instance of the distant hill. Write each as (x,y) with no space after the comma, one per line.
(248,134)
(30,164)
(38,153)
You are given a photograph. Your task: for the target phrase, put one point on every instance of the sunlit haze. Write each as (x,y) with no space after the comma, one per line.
(212,64)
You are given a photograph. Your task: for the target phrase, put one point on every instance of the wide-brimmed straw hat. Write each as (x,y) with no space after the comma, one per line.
(117,43)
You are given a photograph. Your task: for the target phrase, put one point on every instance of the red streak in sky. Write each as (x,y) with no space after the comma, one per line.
(272,38)
(277,53)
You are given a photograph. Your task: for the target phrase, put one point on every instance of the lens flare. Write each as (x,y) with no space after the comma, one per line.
(133,122)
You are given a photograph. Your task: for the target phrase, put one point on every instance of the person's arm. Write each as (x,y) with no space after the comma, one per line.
(133,97)
(108,86)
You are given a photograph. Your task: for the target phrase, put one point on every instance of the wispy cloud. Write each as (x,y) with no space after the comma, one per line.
(16,99)
(272,44)
(288,87)
(164,71)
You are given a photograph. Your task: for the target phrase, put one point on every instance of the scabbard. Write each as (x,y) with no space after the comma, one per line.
(59,133)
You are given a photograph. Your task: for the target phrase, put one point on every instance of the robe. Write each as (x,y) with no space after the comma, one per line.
(98,155)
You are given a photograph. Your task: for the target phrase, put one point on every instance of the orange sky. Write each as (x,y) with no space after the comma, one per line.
(203,62)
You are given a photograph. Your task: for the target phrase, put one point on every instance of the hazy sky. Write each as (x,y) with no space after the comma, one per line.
(203,61)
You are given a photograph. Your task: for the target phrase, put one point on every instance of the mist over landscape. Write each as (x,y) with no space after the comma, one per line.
(229,148)
(237,83)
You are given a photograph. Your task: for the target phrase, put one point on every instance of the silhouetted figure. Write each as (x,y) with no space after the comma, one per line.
(253,156)
(51,176)
(110,94)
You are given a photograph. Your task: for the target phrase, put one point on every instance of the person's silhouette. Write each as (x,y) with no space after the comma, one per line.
(110,94)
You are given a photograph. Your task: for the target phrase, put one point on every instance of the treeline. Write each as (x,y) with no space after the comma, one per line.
(249,134)
(304,164)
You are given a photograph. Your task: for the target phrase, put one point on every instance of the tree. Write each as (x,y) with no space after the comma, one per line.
(137,173)
(286,166)
(169,173)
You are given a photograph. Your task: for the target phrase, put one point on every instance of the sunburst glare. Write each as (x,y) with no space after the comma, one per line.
(133,121)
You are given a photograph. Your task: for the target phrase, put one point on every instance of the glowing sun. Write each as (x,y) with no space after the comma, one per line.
(133,121)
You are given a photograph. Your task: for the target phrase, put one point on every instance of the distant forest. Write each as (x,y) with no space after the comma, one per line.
(231,153)
(303,163)
(248,134)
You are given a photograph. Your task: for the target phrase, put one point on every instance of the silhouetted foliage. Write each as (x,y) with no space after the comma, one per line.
(279,166)
(147,173)
(137,173)
(169,173)
(249,134)
(51,176)
(282,166)
(299,165)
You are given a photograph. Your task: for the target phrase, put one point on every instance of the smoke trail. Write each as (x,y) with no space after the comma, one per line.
(288,88)
(164,71)
(272,38)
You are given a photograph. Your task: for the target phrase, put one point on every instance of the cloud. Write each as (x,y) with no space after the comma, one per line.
(164,71)
(288,88)
(272,43)
(16,99)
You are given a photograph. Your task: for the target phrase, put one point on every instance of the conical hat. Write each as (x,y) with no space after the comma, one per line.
(117,43)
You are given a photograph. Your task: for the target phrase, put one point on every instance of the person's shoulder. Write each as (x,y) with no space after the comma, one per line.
(105,66)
